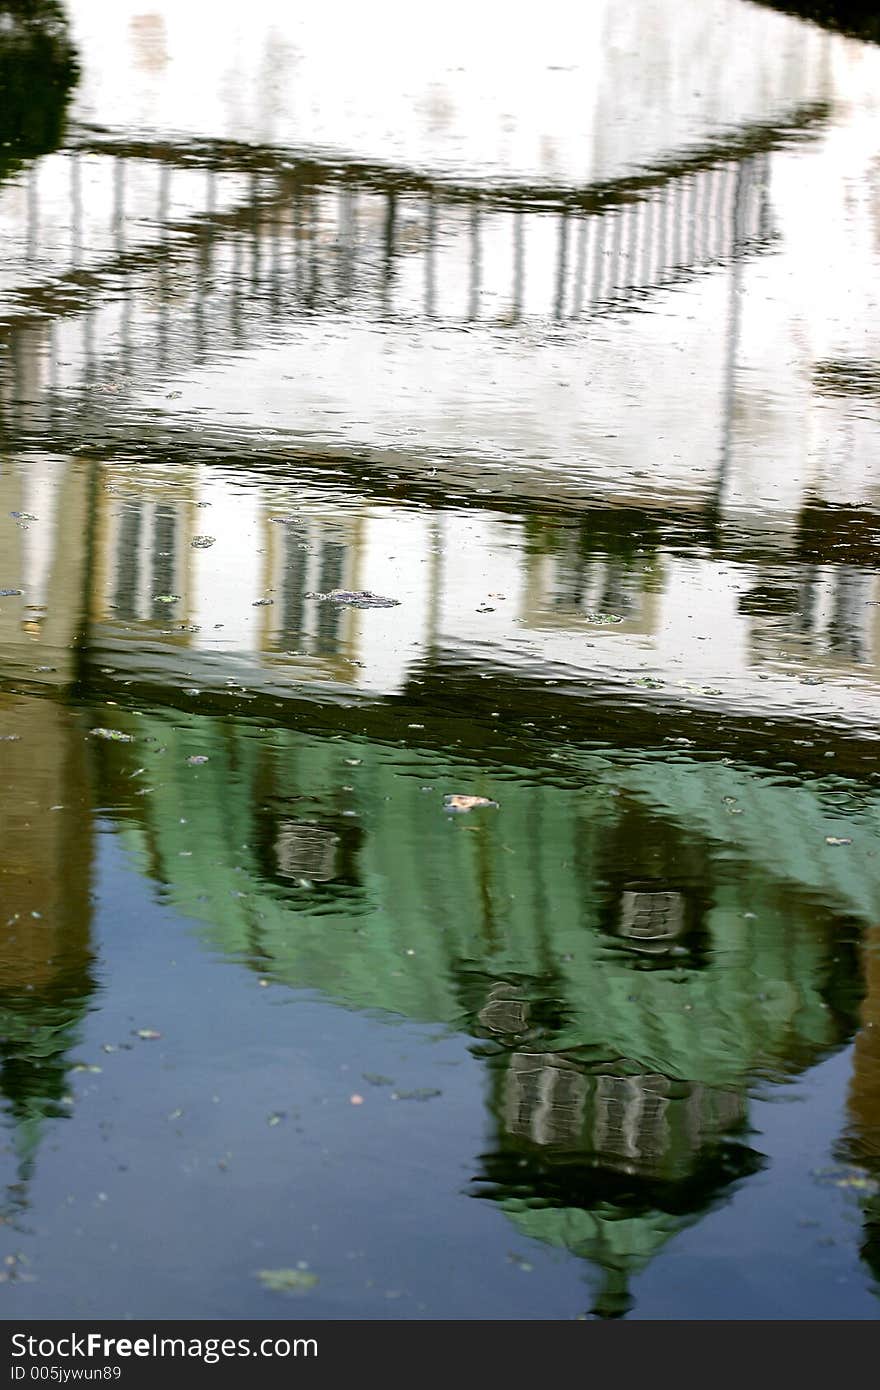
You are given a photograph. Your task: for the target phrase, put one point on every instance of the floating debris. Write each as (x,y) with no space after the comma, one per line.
(202,542)
(263,603)
(460,803)
(520,1261)
(148,1034)
(420,1093)
(166,598)
(113,735)
(287,1280)
(10,593)
(377,1079)
(196,760)
(855,1179)
(603,619)
(356,598)
(837,840)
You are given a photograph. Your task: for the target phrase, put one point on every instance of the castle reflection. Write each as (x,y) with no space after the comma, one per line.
(625,982)
(587,409)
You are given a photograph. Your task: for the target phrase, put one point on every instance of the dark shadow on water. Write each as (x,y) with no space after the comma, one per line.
(38,72)
(860,18)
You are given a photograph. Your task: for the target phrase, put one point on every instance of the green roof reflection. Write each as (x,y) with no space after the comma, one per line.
(633,942)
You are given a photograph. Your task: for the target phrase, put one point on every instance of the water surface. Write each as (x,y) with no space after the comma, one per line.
(565,344)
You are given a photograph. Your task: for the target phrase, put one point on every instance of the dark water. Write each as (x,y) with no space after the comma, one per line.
(589,391)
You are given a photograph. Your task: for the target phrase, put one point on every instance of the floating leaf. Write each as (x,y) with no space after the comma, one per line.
(287,1280)
(356,598)
(466,803)
(420,1093)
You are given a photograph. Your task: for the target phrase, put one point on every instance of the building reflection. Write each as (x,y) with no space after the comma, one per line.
(44,578)
(607,1161)
(624,987)
(860,1142)
(809,599)
(46,959)
(621,1024)
(46,864)
(609,1164)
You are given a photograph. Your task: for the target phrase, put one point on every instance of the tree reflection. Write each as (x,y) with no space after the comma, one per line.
(38,71)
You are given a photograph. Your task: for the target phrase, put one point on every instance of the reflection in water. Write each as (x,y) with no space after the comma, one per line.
(38,70)
(860,1143)
(45,952)
(618,1056)
(589,390)
(851,16)
(609,1165)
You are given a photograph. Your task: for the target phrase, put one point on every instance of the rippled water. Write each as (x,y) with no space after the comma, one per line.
(563,342)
